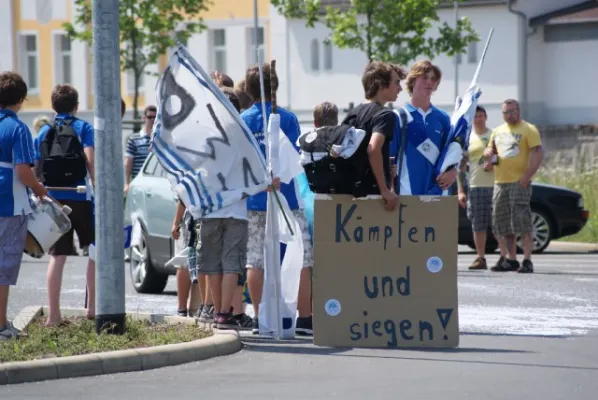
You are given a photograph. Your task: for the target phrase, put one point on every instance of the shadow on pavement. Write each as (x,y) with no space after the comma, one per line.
(461,333)
(291,346)
(544,253)
(490,275)
(303,346)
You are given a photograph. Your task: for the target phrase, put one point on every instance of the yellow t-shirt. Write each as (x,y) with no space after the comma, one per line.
(513,144)
(478,177)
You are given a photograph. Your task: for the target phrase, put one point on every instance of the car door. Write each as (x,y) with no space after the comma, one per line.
(160,207)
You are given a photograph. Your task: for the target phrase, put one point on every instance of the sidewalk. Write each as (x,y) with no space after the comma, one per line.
(572,247)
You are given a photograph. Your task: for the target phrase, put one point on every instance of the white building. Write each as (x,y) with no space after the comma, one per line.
(543,53)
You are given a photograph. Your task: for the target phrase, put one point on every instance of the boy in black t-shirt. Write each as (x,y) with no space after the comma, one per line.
(381,84)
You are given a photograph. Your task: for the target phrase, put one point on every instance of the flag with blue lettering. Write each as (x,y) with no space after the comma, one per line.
(211,157)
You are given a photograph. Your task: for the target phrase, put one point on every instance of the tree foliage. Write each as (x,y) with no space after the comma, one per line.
(385,30)
(148,28)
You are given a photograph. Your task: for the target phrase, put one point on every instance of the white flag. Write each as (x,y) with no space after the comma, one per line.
(281,283)
(211,157)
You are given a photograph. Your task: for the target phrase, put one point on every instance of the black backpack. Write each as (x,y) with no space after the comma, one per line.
(333,174)
(62,160)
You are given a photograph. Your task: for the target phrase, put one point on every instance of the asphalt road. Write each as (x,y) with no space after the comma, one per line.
(522,336)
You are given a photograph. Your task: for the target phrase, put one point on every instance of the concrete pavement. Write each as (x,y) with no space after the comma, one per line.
(521,336)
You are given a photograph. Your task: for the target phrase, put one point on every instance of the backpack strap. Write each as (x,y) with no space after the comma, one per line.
(401,150)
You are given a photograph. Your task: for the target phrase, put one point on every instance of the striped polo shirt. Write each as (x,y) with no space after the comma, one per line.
(138,149)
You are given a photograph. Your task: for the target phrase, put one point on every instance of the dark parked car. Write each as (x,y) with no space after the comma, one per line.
(556,212)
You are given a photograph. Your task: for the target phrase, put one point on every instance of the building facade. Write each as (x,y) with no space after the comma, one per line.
(542,53)
(36,45)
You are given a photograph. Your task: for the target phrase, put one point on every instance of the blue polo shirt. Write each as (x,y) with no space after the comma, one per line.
(290,127)
(16,147)
(426,137)
(85,133)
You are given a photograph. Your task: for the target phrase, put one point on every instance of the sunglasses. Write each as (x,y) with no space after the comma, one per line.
(150,116)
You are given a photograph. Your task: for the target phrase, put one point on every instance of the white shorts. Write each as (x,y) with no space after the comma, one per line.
(257,233)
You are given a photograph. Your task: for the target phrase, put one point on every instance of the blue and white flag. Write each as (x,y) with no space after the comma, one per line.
(461,124)
(462,119)
(211,157)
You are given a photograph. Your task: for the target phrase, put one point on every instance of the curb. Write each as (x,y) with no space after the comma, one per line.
(581,247)
(130,360)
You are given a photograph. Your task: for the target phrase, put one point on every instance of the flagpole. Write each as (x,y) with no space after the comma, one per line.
(456,57)
(275,255)
(476,75)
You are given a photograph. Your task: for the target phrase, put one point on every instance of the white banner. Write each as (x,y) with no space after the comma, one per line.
(281,283)
(211,157)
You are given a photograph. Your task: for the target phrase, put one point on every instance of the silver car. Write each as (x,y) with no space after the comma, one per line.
(152,203)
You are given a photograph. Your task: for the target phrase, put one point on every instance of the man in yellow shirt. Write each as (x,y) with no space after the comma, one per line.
(518,148)
(478,200)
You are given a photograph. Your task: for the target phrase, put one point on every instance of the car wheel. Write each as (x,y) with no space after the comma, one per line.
(144,276)
(542,232)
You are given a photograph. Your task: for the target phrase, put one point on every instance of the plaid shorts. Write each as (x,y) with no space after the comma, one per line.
(512,213)
(13,233)
(257,233)
(479,208)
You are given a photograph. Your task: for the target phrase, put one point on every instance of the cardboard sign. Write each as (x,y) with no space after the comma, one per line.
(385,279)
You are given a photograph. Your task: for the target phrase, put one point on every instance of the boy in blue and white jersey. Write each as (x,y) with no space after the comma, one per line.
(427,132)
(16,179)
(65,102)
(256,205)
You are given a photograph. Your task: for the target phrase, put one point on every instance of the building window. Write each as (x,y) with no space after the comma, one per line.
(29,61)
(62,59)
(328,56)
(571,32)
(472,53)
(261,53)
(315,55)
(219,50)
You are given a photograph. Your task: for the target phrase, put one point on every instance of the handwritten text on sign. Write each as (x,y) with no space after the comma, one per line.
(396,273)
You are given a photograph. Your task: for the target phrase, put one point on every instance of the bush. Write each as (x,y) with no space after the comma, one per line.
(584,182)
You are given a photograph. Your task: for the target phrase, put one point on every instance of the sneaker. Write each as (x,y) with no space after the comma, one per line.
(9,332)
(207,314)
(304,326)
(506,266)
(245,321)
(526,267)
(225,321)
(499,262)
(181,313)
(479,263)
(255,326)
